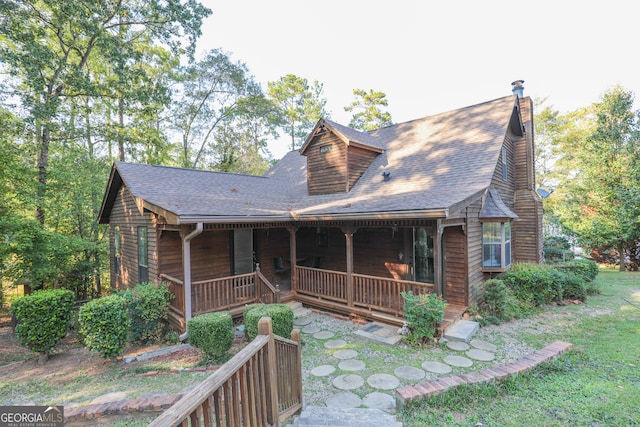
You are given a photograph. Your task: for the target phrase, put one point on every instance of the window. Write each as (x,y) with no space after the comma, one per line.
(116,249)
(504,163)
(143,259)
(496,245)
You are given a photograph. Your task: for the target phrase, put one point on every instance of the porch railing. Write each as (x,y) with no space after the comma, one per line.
(224,293)
(383,294)
(326,284)
(369,292)
(259,386)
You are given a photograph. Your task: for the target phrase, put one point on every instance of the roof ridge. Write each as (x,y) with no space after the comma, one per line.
(177,168)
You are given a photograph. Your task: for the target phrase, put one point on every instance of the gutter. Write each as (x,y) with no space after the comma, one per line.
(294,216)
(186,259)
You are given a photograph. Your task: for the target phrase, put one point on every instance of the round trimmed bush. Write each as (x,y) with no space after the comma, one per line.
(105,323)
(281,319)
(211,332)
(43,318)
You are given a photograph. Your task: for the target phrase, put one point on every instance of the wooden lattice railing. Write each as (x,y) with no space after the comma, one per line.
(259,386)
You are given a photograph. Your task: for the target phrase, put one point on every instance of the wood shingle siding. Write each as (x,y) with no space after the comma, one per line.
(455,273)
(326,166)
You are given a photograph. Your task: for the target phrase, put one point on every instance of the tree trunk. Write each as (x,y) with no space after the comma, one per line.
(621,256)
(42,163)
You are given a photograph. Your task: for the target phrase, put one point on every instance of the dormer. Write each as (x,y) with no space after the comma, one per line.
(337,156)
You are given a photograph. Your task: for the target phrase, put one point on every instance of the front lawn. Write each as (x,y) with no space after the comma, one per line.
(596,384)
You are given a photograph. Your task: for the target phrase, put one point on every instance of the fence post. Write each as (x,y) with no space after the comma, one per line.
(295,336)
(265,327)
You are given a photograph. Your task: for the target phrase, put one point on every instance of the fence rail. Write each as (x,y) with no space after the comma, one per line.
(260,386)
(326,284)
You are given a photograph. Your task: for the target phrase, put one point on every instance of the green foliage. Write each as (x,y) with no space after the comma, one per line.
(584,268)
(281,319)
(423,313)
(532,283)
(43,318)
(300,103)
(368,115)
(211,332)
(105,323)
(148,309)
(557,255)
(557,242)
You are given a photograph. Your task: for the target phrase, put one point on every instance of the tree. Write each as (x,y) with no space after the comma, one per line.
(600,196)
(214,92)
(367,114)
(301,104)
(48,47)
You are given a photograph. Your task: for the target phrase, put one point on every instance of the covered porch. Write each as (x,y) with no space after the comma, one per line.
(357,269)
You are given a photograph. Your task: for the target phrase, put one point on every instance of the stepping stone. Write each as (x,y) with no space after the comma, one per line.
(483,345)
(348,382)
(462,330)
(383,381)
(345,354)
(323,335)
(457,345)
(481,355)
(436,367)
(311,329)
(409,373)
(335,344)
(345,399)
(323,370)
(302,321)
(352,365)
(459,361)
(377,400)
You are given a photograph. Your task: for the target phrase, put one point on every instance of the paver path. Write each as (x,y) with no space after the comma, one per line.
(352,390)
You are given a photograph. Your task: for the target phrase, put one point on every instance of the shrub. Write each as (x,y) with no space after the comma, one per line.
(532,283)
(554,255)
(43,318)
(281,319)
(211,332)
(104,323)
(423,313)
(495,298)
(585,268)
(148,305)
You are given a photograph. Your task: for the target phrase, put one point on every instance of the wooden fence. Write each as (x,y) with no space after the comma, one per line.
(383,294)
(326,284)
(260,386)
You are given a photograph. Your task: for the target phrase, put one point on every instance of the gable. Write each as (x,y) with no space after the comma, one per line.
(337,157)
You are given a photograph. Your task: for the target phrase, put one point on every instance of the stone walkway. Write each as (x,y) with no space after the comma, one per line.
(344,367)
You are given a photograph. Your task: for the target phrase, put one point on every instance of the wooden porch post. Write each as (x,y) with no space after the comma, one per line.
(293,256)
(186,266)
(265,327)
(349,231)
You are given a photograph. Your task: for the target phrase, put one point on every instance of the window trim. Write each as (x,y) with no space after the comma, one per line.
(505,175)
(504,244)
(117,250)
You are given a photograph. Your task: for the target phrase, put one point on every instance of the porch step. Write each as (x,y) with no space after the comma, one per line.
(462,330)
(315,416)
(298,309)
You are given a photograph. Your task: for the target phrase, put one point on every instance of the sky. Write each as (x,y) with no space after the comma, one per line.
(433,56)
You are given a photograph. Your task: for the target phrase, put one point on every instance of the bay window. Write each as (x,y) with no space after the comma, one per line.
(496,245)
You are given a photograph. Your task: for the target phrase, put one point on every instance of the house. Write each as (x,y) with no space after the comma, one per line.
(346,223)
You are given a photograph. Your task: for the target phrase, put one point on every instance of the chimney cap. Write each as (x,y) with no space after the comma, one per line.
(517,83)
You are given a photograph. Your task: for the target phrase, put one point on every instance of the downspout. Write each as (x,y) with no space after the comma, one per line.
(186,265)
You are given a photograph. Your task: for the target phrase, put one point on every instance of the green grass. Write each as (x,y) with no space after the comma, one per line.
(596,384)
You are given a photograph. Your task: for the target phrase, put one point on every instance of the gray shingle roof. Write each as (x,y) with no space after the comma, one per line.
(435,163)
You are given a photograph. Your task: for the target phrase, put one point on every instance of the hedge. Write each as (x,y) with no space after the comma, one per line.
(148,305)
(281,319)
(211,332)
(43,318)
(423,313)
(105,323)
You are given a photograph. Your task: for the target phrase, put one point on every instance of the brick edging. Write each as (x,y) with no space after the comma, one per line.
(424,390)
(120,407)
